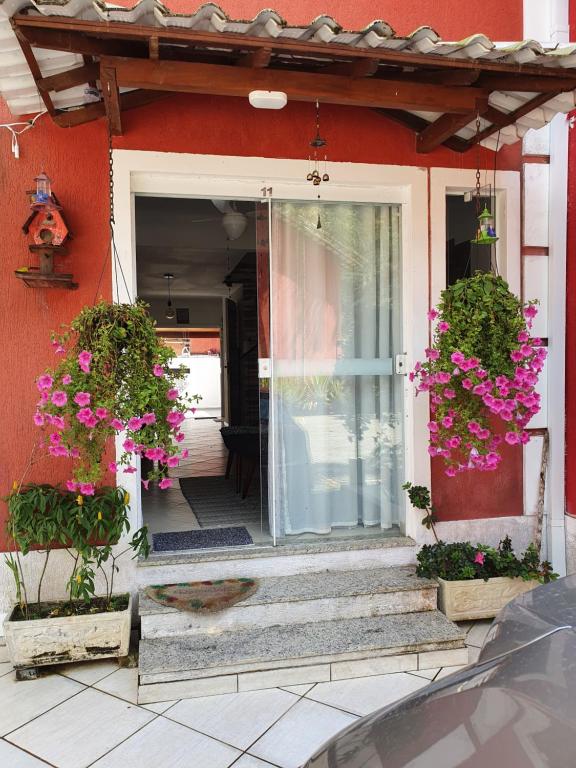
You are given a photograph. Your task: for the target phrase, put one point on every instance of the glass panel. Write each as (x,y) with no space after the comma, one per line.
(336,405)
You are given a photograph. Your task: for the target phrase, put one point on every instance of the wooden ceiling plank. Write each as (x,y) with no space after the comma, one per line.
(526,83)
(357,68)
(444,127)
(111,96)
(124,31)
(76,42)
(154,47)
(220,80)
(72,77)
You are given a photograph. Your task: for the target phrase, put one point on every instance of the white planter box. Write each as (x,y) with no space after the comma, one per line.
(39,642)
(479,599)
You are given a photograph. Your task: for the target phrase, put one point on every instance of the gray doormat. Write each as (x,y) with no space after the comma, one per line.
(205,539)
(215,502)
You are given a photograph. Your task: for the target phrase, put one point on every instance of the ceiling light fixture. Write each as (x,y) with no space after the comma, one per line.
(234,224)
(170,313)
(268,99)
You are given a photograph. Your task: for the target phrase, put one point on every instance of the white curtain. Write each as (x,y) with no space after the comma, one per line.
(336,442)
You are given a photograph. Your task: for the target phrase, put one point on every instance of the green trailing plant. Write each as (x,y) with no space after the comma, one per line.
(88,528)
(480,372)
(420,498)
(462,561)
(114,377)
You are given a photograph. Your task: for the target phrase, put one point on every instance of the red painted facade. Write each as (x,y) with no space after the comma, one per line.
(76,160)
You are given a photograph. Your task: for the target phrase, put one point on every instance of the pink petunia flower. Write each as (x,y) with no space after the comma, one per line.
(128,445)
(87,489)
(432,354)
(530,311)
(166,482)
(44,382)
(449,394)
(185,453)
(71,486)
(75,453)
(145,483)
(149,418)
(129,470)
(84,414)
(82,398)
(66,379)
(134,423)
(158,371)
(179,437)
(101,413)
(38,419)
(172,461)
(172,394)
(112,467)
(84,360)
(479,558)
(57,421)
(432,315)
(117,425)
(175,418)
(443,327)
(512,438)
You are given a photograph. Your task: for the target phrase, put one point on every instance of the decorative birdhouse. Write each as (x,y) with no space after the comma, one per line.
(486,234)
(48,230)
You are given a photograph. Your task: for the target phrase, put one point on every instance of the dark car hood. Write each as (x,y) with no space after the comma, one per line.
(531,616)
(516,707)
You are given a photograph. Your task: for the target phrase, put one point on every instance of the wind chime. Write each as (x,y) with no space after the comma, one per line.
(314,161)
(485,232)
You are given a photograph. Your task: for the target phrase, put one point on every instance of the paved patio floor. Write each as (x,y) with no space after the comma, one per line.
(86,715)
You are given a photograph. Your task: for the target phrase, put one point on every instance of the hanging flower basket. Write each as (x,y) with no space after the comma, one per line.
(113,378)
(481,372)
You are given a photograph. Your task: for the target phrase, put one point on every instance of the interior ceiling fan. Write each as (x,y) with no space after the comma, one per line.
(233,221)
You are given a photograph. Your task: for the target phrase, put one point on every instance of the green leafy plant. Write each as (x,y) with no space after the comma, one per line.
(88,528)
(113,378)
(461,561)
(481,372)
(420,498)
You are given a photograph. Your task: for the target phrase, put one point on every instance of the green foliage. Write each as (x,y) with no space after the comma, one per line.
(420,498)
(463,561)
(88,527)
(125,350)
(485,319)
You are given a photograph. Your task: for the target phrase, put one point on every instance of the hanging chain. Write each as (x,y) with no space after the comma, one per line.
(111,176)
(477,164)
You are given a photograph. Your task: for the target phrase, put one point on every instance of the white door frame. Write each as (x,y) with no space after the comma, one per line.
(219,176)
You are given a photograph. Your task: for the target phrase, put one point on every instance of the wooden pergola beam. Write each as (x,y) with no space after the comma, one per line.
(444,127)
(187,77)
(111,97)
(417,124)
(35,71)
(72,77)
(258,59)
(97,110)
(511,117)
(79,29)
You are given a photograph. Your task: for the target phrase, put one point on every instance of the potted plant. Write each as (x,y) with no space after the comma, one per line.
(480,372)
(475,582)
(113,378)
(83,626)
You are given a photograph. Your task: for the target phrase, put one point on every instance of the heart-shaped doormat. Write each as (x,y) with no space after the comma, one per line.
(202,596)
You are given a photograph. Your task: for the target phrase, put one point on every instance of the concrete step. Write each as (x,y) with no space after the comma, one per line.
(300,599)
(243,660)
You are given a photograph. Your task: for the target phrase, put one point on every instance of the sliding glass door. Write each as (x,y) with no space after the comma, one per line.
(336,442)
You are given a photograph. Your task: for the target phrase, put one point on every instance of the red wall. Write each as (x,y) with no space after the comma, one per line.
(76,160)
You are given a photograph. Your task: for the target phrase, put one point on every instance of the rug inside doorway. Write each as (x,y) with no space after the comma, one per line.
(215,502)
(206,538)
(202,596)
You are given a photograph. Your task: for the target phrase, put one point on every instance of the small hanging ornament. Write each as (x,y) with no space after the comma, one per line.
(486,234)
(317,143)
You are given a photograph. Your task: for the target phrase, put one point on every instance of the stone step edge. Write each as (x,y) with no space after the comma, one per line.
(148,607)
(317,672)
(283,550)
(430,646)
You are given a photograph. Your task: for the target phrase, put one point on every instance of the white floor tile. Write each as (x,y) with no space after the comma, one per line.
(366,694)
(238,718)
(477,633)
(79,731)
(12,757)
(449,671)
(473,654)
(122,683)
(160,706)
(164,743)
(20,701)
(4,655)
(248,761)
(5,667)
(299,690)
(88,672)
(429,674)
(300,733)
